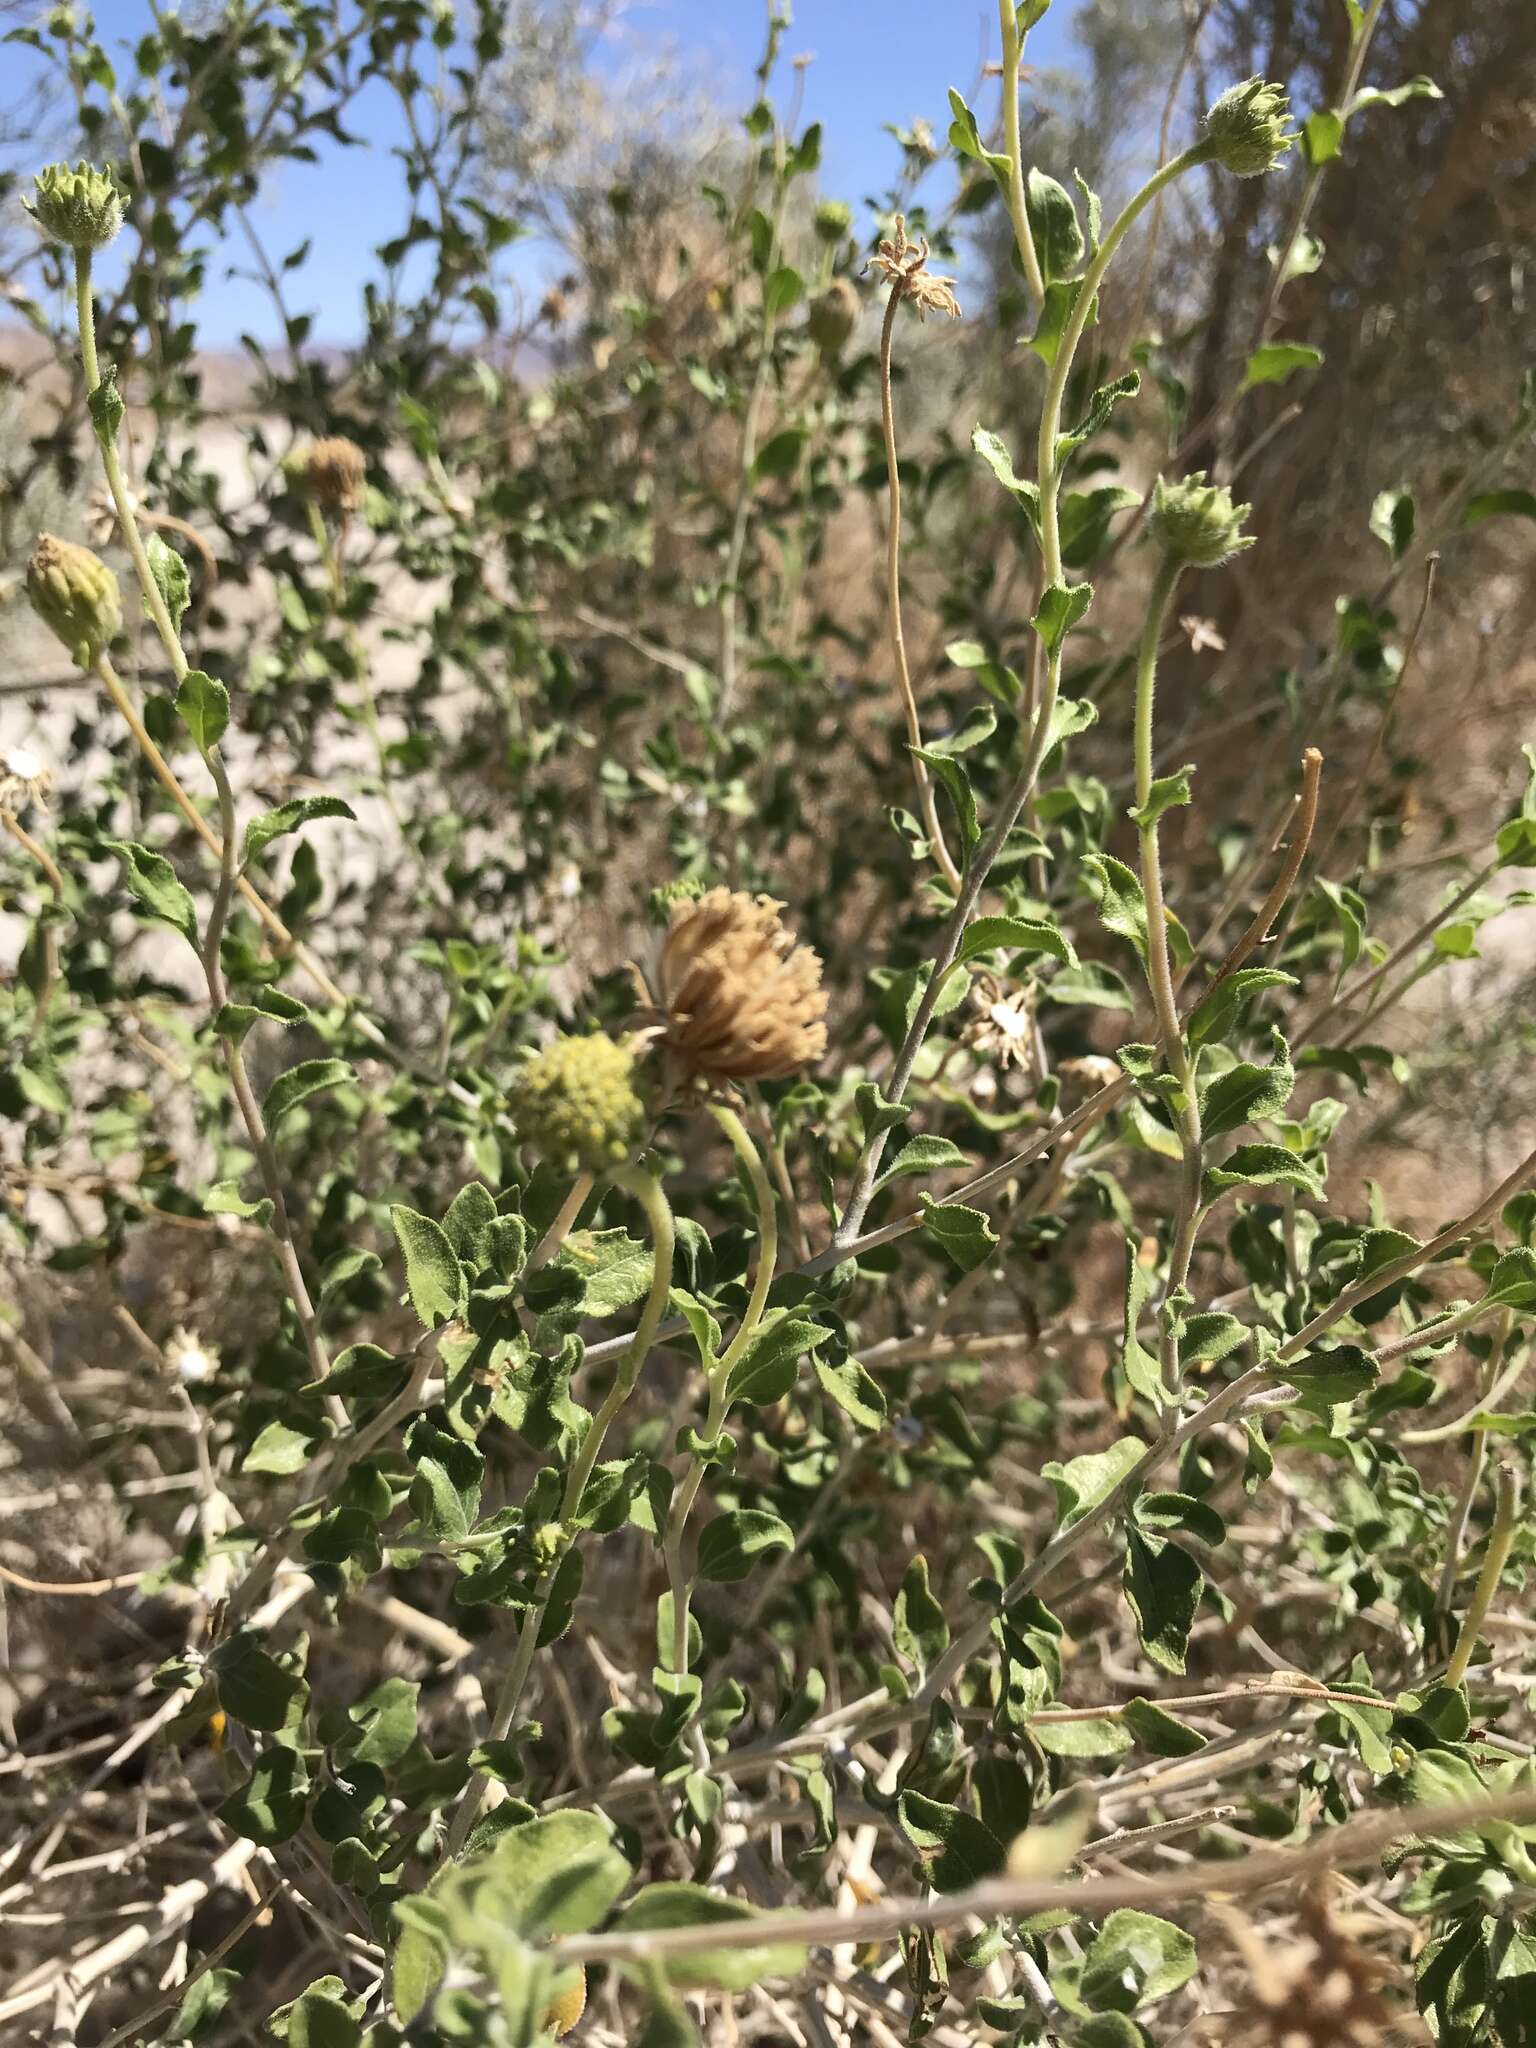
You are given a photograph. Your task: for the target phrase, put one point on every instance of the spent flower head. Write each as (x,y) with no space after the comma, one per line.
(24,780)
(1246,132)
(737,997)
(1196,523)
(330,471)
(578,1104)
(75,595)
(903,264)
(1322,1992)
(79,206)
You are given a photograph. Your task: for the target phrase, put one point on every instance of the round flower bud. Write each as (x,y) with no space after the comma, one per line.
(329,471)
(1196,523)
(577,1103)
(831,318)
(687,889)
(833,220)
(75,595)
(1246,129)
(82,208)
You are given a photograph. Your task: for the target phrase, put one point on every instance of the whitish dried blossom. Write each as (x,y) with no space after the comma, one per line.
(903,265)
(736,997)
(1004,1029)
(24,780)
(190,1358)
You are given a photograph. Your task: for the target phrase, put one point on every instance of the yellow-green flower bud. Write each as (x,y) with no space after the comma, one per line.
(686,889)
(833,220)
(82,208)
(75,595)
(578,1104)
(1246,130)
(1196,523)
(831,318)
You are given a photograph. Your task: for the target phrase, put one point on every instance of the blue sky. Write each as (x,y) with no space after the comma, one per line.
(875,61)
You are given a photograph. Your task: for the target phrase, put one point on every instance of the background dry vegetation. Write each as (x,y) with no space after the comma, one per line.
(613,614)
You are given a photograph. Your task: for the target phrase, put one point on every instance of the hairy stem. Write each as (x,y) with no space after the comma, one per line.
(679,1581)
(1501,1538)
(1018,210)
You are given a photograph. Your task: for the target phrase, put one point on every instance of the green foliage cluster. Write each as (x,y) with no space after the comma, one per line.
(920,1493)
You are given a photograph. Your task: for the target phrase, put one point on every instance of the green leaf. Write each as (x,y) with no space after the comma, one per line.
(1061,607)
(1100,407)
(919,1628)
(153,881)
(1394,516)
(1182,1513)
(1136,1959)
(964,1849)
(1102,1736)
(1419,88)
(732,1543)
(1496,504)
(1278,360)
(1139,1365)
(301,810)
(1053,223)
(1122,906)
(224,1199)
(1016,935)
(965,139)
(254,1688)
(417,1967)
(560,1874)
(994,452)
(1056,310)
(1261,1166)
(279,1450)
(105,404)
(923,1154)
(782,288)
(963,1232)
(1084,521)
(766,1370)
(875,1113)
(1085,1481)
(1162,1587)
(661,1907)
(268,1808)
(1322,135)
(1166,791)
(434,1278)
(308,1078)
(858,1395)
(1246,1092)
(1322,1379)
(204,708)
(1158,1730)
(780,453)
(1214,1016)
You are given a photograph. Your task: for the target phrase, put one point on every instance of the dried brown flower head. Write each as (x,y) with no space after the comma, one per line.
(736,997)
(904,266)
(329,471)
(1322,1992)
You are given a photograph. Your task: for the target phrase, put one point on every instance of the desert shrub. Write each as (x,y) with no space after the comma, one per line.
(687,1249)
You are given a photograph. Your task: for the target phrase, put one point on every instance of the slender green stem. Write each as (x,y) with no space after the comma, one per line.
(1018,210)
(679,1581)
(563,1224)
(646,1189)
(48,867)
(1501,1538)
(116,483)
(993,840)
(1160,969)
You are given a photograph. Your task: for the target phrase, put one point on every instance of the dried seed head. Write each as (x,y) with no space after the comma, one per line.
(1246,130)
(80,207)
(1322,1992)
(329,471)
(1196,522)
(831,318)
(24,780)
(75,595)
(737,998)
(903,265)
(577,1103)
